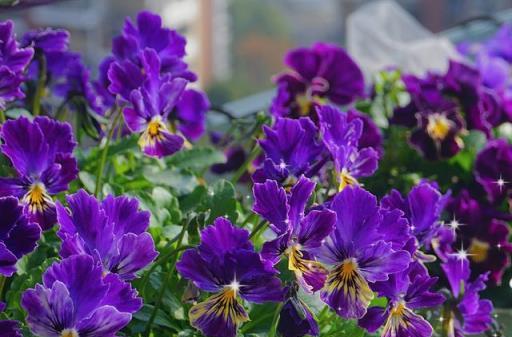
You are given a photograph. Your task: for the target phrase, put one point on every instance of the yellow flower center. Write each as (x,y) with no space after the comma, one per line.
(37,198)
(69,333)
(398,309)
(478,250)
(438,126)
(305,102)
(153,132)
(346,180)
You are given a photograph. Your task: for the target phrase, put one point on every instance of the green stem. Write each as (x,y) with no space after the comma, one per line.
(249,218)
(273,327)
(167,279)
(3,279)
(2,116)
(255,152)
(258,227)
(41,82)
(103,159)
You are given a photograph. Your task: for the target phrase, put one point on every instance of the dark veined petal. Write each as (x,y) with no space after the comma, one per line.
(346,291)
(310,274)
(157,141)
(403,322)
(105,321)
(219,316)
(296,319)
(270,201)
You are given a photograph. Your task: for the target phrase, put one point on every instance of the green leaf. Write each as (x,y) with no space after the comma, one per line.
(220,200)
(88,180)
(15,113)
(197,158)
(181,181)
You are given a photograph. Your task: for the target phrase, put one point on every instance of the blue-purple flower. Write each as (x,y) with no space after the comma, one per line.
(341,137)
(422,207)
(18,236)
(317,75)
(481,230)
(76,300)
(493,169)
(297,233)
(41,153)
(13,61)
(295,318)
(467,313)
(226,265)
(358,252)
(9,328)
(150,105)
(112,231)
(405,291)
(291,148)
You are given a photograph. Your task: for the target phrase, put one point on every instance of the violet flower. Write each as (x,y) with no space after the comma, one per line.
(150,106)
(478,228)
(493,169)
(41,153)
(358,253)
(297,233)
(112,231)
(18,236)
(341,137)
(320,74)
(290,148)
(226,265)
(76,300)
(406,291)
(13,61)
(295,318)
(466,313)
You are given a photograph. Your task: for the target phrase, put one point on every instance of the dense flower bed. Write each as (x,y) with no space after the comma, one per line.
(377,209)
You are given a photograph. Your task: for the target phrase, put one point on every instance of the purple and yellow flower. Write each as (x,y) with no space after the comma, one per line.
(297,233)
(13,61)
(405,291)
(467,313)
(18,236)
(295,318)
(358,253)
(41,153)
(76,300)
(422,207)
(317,75)
(226,265)
(112,231)
(341,137)
(291,148)
(150,105)
(477,227)
(493,169)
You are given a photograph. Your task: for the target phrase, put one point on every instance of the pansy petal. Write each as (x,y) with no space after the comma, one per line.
(271,203)
(405,323)
(375,317)
(218,316)
(166,145)
(222,237)
(379,260)
(121,295)
(7,261)
(104,321)
(135,253)
(299,196)
(125,214)
(191,266)
(296,320)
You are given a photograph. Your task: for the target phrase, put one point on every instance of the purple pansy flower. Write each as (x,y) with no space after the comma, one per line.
(113,232)
(297,233)
(18,236)
(406,291)
(150,106)
(190,113)
(295,318)
(493,169)
(10,329)
(319,74)
(226,265)
(13,61)
(467,313)
(341,137)
(76,300)
(290,148)
(476,226)
(422,207)
(358,253)
(148,33)
(41,153)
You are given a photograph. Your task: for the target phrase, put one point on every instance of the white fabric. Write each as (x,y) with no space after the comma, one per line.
(382,34)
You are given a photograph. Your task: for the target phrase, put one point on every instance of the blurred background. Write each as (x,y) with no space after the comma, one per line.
(235,46)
